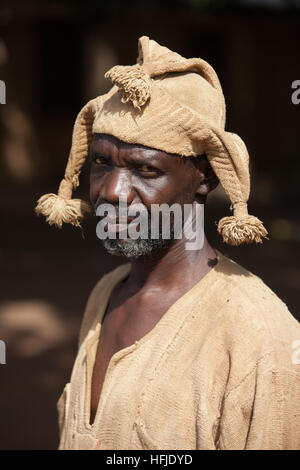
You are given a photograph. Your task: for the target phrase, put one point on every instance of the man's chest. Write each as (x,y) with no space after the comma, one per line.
(124,324)
(128,319)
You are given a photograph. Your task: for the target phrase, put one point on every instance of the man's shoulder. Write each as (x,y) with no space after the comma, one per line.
(248,326)
(242,284)
(253,311)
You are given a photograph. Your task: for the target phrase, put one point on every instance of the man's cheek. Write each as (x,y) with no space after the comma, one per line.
(94,192)
(96,183)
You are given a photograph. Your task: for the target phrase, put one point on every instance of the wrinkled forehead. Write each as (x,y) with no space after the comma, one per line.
(109,140)
(110,144)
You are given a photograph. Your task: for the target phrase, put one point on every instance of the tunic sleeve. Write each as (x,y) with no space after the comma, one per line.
(61,406)
(263,411)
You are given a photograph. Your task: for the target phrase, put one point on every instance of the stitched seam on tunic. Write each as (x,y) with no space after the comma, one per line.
(249,373)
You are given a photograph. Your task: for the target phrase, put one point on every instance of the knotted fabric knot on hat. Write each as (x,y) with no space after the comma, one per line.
(133,82)
(169,103)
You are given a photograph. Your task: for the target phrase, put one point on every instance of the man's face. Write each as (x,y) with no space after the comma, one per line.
(139,175)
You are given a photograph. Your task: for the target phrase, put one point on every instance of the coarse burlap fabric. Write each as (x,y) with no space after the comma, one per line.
(220,370)
(170,103)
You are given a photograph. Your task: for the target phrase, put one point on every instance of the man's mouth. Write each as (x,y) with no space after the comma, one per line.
(120,220)
(118,224)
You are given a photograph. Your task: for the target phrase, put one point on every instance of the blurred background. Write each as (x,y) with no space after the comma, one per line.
(53,56)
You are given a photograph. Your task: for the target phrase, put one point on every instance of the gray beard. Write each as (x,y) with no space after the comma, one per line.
(140,246)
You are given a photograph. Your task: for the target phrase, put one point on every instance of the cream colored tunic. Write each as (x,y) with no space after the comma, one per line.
(220,370)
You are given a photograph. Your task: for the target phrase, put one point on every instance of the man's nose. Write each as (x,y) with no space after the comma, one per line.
(117,186)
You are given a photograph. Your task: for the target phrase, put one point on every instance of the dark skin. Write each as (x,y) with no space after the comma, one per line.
(147,176)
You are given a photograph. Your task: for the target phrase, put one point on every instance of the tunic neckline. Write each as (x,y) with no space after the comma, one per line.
(169,317)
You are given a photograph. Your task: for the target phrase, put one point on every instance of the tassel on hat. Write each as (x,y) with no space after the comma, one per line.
(61,208)
(241,228)
(229,159)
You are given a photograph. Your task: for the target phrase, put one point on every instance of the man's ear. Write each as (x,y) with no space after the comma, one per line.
(208,179)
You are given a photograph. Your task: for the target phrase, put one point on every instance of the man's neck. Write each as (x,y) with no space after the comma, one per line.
(175,267)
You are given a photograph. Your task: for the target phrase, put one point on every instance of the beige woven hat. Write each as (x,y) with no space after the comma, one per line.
(174,104)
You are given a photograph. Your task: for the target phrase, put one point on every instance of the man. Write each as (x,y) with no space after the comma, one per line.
(179,348)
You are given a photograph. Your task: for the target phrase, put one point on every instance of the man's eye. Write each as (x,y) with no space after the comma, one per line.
(100,160)
(148,170)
